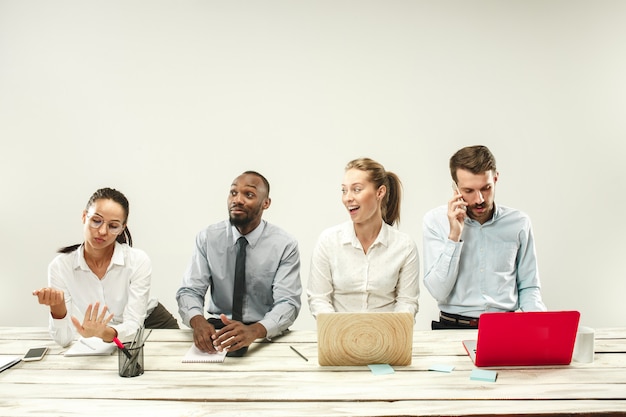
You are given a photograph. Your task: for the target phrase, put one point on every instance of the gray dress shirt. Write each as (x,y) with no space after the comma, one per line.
(273,286)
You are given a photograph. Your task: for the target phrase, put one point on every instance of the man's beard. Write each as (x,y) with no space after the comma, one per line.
(475,216)
(246,219)
(240,221)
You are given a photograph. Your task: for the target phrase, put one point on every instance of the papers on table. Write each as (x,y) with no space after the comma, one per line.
(90,346)
(195,355)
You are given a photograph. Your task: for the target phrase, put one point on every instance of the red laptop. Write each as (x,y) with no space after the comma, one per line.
(524,339)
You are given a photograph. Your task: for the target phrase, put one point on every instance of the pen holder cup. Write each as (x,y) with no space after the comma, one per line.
(130,361)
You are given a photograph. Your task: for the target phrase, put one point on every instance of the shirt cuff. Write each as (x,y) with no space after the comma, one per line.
(270,330)
(452,248)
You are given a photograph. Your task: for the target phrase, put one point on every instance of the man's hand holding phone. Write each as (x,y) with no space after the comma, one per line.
(457,211)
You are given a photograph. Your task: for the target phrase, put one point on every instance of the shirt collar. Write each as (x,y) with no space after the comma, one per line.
(348,235)
(497,212)
(252,237)
(116,259)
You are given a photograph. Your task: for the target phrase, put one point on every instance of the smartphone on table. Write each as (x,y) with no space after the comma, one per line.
(35,354)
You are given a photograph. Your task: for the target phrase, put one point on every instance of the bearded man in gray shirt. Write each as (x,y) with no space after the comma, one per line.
(271,293)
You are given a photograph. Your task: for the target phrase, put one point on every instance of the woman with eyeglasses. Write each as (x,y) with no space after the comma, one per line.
(102,286)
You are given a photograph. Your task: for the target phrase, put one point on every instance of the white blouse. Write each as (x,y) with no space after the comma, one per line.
(124,289)
(344,278)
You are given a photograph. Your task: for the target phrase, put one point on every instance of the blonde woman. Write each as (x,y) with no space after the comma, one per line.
(366,264)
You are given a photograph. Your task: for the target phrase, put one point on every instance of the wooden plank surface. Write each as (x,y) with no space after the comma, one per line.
(108,408)
(274,380)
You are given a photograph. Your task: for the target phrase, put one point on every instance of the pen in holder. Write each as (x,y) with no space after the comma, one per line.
(130,360)
(130,355)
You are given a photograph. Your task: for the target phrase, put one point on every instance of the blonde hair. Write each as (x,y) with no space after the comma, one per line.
(390,205)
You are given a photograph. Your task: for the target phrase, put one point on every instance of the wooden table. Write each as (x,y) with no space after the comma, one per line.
(272,380)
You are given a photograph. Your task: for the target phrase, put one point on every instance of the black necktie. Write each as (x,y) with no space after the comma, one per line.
(240,280)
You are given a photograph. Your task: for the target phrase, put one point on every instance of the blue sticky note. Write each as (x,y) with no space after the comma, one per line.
(381,369)
(441,368)
(484,375)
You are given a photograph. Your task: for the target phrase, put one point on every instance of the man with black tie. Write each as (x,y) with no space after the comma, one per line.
(250,270)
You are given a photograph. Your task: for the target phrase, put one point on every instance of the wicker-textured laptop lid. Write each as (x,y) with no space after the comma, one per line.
(364,338)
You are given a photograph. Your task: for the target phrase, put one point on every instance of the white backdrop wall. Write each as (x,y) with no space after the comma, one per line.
(168,101)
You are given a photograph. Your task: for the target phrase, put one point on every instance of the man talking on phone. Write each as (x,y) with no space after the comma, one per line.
(478,256)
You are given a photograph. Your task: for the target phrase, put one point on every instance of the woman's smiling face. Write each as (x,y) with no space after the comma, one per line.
(360,197)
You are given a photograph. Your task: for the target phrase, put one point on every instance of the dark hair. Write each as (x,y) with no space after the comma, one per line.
(390,206)
(107,194)
(475,159)
(265,181)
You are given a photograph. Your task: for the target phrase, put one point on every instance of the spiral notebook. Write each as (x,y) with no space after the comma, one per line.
(195,355)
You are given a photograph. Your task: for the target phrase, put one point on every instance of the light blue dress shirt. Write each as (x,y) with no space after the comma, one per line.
(492,268)
(273,287)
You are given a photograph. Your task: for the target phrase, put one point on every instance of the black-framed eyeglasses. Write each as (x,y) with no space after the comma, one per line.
(96,222)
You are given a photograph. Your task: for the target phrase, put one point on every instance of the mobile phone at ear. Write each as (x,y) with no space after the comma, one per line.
(35,354)
(455,188)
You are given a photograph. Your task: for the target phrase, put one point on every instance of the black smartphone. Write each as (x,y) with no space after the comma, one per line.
(35,354)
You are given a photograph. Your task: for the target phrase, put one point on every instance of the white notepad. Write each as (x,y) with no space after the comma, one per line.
(195,355)
(90,346)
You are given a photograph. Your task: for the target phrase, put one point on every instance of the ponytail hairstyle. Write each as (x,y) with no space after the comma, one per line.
(390,205)
(107,194)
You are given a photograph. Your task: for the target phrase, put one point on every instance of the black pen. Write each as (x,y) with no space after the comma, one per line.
(299,354)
